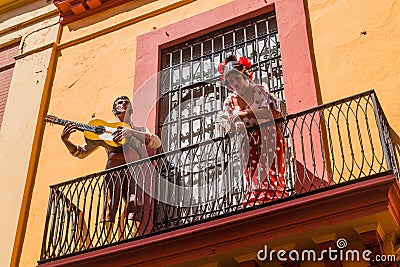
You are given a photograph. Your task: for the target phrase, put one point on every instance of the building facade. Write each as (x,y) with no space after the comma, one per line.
(323,58)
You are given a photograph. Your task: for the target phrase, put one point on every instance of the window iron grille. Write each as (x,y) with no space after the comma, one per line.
(191,92)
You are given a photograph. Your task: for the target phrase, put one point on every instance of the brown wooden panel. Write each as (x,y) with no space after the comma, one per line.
(7,54)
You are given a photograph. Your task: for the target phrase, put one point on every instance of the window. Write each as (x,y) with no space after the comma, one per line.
(191,96)
(7,63)
(191,92)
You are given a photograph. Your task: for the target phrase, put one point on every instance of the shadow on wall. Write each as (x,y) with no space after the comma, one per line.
(312,53)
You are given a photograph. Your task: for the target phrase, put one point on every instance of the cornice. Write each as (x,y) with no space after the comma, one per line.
(6,5)
(73,10)
(29,22)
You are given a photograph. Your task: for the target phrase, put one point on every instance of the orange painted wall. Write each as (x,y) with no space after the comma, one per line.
(356,46)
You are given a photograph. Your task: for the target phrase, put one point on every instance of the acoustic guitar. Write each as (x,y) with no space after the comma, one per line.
(98,132)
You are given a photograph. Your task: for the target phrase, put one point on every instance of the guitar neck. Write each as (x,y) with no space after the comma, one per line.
(80,126)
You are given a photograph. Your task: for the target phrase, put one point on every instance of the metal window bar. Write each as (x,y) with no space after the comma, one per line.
(196,61)
(325,147)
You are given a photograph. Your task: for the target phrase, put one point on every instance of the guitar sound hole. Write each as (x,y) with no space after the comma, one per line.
(99,129)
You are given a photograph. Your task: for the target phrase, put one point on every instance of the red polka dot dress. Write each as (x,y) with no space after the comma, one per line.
(262,151)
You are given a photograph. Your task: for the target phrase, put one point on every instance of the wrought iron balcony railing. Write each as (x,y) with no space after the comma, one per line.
(328,146)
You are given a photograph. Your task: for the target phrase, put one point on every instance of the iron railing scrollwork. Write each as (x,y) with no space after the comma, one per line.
(323,147)
(385,135)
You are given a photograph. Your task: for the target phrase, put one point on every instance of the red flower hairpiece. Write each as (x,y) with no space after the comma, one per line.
(244,62)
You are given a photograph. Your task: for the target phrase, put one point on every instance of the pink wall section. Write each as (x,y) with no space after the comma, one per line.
(300,88)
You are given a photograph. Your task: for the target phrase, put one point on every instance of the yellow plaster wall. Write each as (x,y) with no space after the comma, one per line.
(356,45)
(95,63)
(128,14)
(17,23)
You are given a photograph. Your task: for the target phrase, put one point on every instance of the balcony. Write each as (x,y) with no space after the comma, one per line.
(335,147)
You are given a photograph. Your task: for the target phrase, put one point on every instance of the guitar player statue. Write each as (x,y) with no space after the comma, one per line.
(123,144)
